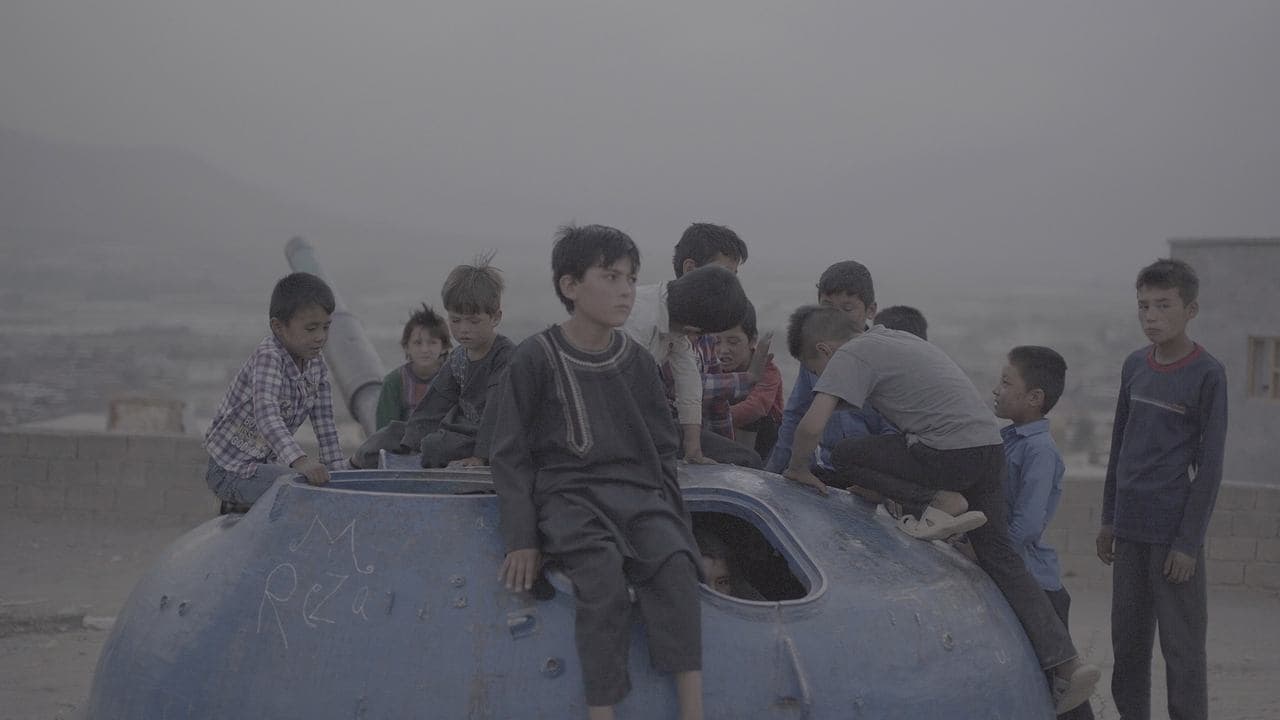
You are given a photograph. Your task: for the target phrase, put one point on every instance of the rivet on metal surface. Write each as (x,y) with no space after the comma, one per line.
(948,642)
(182,608)
(552,667)
(521,624)
(457,581)
(460,601)
(164,601)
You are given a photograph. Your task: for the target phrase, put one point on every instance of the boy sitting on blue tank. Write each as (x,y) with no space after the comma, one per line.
(704,244)
(754,407)
(285,381)
(425,342)
(584,464)
(1030,384)
(451,426)
(664,320)
(1162,481)
(946,468)
(847,287)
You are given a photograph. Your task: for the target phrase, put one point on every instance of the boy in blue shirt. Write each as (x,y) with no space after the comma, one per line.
(1162,481)
(847,287)
(1030,385)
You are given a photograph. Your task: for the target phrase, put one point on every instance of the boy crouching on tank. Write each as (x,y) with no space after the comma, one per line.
(584,463)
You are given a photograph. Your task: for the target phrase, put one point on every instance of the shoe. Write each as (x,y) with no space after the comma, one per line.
(934,524)
(1071,692)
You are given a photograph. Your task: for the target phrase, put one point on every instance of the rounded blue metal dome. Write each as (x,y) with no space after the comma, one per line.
(377,597)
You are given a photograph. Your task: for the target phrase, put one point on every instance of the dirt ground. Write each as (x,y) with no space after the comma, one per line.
(60,581)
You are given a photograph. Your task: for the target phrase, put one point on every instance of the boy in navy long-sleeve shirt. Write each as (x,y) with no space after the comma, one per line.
(1162,481)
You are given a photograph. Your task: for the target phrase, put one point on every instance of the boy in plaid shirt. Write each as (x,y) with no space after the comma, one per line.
(250,441)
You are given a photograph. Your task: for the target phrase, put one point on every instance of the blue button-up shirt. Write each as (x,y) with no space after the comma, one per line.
(1033,491)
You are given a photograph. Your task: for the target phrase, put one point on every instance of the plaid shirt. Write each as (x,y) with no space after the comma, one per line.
(719,391)
(267,402)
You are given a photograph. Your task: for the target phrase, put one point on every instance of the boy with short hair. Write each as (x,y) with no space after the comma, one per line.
(425,342)
(584,464)
(1030,384)
(946,468)
(1162,481)
(451,425)
(846,286)
(754,407)
(709,244)
(905,318)
(285,381)
(665,316)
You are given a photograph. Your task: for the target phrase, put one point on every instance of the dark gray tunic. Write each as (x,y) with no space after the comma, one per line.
(458,396)
(584,452)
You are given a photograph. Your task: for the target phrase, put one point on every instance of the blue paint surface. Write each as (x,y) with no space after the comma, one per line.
(377,596)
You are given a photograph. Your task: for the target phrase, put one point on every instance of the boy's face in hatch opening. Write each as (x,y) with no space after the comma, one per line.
(305,334)
(717,572)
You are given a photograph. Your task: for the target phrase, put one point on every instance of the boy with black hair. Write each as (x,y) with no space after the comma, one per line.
(709,244)
(946,469)
(847,287)
(1030,384)
(285,381)
(664,317)
(1162,481)
(425,342)
(584,464)
(905,318)
(450,426)
(754,407)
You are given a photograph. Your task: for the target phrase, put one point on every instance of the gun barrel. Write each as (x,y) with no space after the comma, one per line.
(357,370)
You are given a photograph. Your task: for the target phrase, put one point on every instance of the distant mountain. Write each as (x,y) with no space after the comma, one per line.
(126,222)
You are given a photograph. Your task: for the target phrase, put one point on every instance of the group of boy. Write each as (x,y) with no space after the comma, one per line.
(583,424)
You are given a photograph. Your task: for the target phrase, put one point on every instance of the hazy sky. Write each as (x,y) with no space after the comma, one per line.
(1019,140)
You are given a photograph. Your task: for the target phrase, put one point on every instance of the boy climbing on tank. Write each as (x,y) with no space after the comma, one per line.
(584,464)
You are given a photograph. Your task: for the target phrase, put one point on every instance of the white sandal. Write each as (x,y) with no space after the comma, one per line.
(934,524)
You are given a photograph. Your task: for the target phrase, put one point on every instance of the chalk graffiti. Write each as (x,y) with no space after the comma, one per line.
(271,597)
(349,531)
(311,618)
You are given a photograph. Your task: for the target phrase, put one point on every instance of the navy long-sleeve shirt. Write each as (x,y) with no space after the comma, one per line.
(1166,449)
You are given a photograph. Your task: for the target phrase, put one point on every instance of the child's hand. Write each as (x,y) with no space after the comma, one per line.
(697,458)
(1179,567)
(804,477)
(315,473)
(467,462)
(761,357)
(1106,543)
(520,569)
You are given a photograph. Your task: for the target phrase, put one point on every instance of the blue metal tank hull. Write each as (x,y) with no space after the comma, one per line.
(377,597)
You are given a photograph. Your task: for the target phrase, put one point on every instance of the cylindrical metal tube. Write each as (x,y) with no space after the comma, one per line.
(357,370)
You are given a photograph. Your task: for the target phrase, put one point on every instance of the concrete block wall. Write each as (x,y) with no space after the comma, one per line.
(159,479)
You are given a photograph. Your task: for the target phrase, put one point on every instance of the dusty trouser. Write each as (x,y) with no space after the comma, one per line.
(1142,599)
(236,490)
(913,474)
(668,602)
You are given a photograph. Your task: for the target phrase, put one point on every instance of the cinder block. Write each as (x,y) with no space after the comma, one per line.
(1225,573)
(1262,575)
(150,448)
(92,499)
(101,447)
(1267,500)
(1235,548)
(1220,524)
(188,501)
(51,445)
(1255,525)
(162,476)
(1236,497)
(1269,550)
(13,444)
(139,503)
(73,473)
(124,474)
(190,449)
(41,497)
(8,493)
(26,470)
